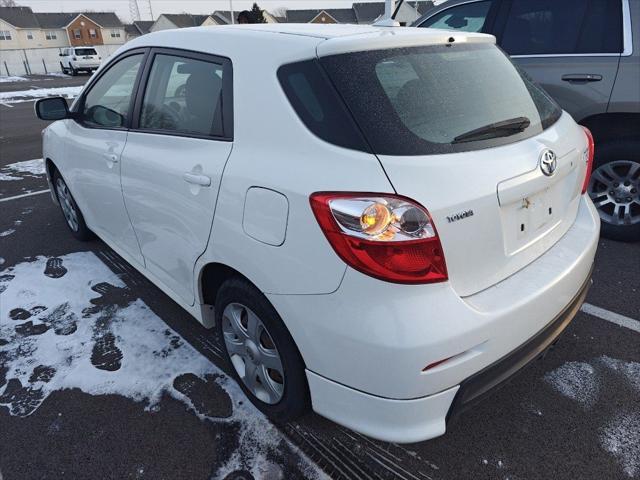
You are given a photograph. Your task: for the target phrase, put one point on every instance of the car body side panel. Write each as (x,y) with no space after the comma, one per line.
(277,152)
(626,91)
(581,100)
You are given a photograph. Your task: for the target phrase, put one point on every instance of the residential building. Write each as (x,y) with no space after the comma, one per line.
(21,28)
(167,21)
(328,15)
(136,29)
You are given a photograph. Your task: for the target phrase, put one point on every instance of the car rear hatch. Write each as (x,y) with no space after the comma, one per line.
(87,56)
(459,129)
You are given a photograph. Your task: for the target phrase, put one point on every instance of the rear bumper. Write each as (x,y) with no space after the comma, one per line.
(415,420)
(476,387)
(367,344)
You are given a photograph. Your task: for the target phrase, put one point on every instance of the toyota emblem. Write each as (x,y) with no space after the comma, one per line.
(548,162)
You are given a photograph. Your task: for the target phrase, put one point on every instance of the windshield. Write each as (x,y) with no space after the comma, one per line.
(86,51)
(419,100)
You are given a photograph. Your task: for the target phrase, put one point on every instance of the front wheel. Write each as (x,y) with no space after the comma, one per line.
(72,214)
(260,351)
(615,189)
(74,72)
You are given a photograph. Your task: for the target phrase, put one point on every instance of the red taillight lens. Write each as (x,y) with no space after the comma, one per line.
(385,236)
(589,154)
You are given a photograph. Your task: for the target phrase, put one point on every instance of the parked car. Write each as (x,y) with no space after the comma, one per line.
(77,59)
(586,54)
(372,230)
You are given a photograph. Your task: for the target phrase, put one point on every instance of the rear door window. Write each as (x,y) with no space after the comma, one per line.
(183,96)
(86,51)
(468,17)
(543,27)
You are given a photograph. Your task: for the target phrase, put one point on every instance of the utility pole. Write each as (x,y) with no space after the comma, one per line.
(233,20)
(150,9)
(134,11)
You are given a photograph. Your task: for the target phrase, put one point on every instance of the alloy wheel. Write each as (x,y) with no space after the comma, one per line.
(66,203)
(253,353)
(615,190)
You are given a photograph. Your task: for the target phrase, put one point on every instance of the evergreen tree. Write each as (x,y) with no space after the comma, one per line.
(257,14)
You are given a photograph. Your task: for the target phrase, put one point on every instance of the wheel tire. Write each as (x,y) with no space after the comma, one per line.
(64,70)
(619,151)
(74,72)
(81,231)
(295,400)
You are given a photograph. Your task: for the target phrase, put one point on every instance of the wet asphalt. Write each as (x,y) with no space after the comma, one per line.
(525,430)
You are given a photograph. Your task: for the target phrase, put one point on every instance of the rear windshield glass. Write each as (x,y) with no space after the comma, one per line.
(422,100)
(86,51)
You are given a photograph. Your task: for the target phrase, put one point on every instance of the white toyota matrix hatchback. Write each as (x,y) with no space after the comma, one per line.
(381,223)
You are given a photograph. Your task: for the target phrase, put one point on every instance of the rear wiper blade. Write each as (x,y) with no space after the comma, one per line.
(493,130)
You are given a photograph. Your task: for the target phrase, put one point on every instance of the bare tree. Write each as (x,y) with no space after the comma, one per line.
(8,3)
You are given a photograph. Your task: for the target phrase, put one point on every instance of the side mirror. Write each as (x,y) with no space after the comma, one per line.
(54,108)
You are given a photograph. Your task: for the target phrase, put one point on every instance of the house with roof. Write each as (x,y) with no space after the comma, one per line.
(137,29)
(168,21)
(327,15)
(368,12)
(21,28)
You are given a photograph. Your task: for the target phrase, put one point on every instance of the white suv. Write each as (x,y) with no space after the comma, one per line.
(76,59)
(381,223)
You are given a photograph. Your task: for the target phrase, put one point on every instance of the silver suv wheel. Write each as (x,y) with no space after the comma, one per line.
(615,191)
(66,203)
(253,353)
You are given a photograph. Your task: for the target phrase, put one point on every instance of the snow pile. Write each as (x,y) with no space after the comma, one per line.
(28,95)
(70,322)
(577,381)
(28,168)
(9,79)
(621,438)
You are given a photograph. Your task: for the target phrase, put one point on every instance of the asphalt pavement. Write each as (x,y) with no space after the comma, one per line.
(573,414)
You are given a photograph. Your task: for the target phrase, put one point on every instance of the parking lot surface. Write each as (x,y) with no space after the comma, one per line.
(103,376)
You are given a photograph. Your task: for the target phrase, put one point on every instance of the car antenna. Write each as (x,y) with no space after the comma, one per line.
(388,19)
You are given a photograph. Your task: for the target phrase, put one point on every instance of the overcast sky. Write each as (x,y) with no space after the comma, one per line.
(121,7)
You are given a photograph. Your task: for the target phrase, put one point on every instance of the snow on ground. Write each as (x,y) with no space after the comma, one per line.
(9,79)
(581,382)
(621,438)
(6,233)
(29,95)
(70,322)
(28,168)
(576,380)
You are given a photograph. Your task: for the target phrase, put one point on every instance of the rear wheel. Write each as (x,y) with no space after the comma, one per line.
(74,72)
(615,189)
(70,210)
(262,356)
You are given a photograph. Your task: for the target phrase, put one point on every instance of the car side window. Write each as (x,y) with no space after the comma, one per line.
(543,27)
(108,102)
(469,17)
(183,96)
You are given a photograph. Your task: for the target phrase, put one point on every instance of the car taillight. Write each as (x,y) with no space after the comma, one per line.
(385,236)
(588,154)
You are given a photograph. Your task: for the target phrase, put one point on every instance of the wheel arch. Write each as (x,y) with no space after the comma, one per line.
(611,126)
(212,276)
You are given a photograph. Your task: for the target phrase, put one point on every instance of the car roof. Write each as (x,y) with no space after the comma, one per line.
(315,38)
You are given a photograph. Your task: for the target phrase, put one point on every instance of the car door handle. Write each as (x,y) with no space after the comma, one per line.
(196,179)
(581,77)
